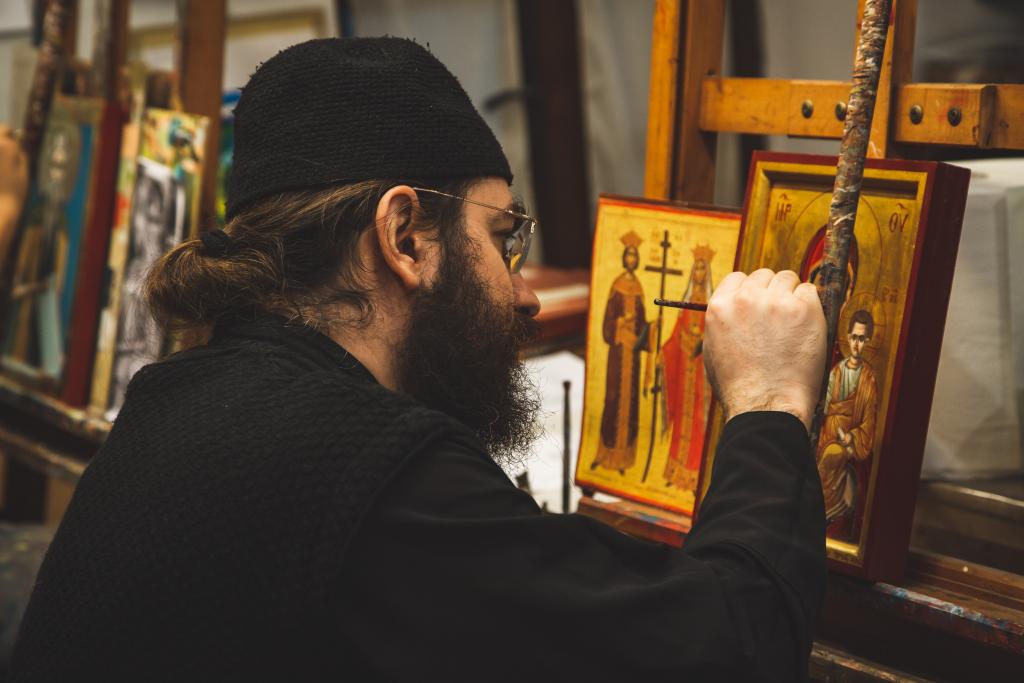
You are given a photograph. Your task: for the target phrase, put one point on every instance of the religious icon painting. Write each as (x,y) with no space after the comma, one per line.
(106,336)
(40,312)
(646,399)
(163,212)
(882,370)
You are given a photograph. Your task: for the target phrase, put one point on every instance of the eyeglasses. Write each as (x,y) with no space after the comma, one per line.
(516,244)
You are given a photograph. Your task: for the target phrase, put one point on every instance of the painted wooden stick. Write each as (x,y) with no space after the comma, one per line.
(44,81)
(849,176)
(48,67)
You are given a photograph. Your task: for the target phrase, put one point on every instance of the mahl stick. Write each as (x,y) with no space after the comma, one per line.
(44,81)
(849,175)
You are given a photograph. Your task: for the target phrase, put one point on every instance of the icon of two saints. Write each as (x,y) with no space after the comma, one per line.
(673,375)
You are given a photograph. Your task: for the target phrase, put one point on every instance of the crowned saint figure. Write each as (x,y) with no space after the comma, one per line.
(623,329)
(686,394)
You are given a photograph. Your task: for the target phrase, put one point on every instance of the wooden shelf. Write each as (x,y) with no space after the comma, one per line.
(76,422)
(46,435)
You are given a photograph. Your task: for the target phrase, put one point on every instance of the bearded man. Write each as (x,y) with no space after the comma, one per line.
(311,492)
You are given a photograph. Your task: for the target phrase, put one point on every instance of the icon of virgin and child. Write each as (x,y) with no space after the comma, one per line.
(673,373)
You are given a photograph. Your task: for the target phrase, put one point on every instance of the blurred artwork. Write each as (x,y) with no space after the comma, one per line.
(39,316)
(647,398)
(163,212)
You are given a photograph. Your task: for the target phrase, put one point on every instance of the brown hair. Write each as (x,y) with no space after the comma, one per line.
(864,318)
(291,254)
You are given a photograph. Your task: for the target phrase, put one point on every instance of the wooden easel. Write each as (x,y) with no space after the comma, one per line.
(690,102)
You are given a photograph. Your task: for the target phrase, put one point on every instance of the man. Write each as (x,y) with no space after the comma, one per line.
(848,433)
(310,494)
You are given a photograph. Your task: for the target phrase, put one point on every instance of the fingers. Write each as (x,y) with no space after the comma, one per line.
(807,292)
(784,282)
(759,278)
(730,283)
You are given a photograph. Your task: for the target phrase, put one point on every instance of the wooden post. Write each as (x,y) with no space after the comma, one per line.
(694,174)
(897,70)
(686,48)
(200,69)
(662,98)
(551,73)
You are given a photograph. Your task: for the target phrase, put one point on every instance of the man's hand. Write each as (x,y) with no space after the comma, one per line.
(764,344)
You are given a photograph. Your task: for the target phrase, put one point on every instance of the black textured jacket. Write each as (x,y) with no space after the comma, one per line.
(264,510)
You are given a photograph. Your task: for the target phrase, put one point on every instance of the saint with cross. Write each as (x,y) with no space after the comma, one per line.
(624,329)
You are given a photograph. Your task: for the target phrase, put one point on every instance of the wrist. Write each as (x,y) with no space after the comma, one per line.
(781,399)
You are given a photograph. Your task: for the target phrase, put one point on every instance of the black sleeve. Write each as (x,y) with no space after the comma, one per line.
(457,575)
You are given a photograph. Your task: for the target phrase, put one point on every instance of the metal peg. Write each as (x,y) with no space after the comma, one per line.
(916,114)
(807,109)
(841,111)
(954,116)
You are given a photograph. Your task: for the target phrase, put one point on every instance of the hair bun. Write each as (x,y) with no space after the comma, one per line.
(216,243)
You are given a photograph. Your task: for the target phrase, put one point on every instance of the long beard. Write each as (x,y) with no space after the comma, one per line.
(461,356)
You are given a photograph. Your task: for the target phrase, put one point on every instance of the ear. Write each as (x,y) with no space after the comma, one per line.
(402,248)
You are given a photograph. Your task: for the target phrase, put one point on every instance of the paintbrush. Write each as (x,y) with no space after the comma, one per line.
(681,304)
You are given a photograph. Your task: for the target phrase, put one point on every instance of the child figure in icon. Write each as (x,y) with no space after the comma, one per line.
(686,395)
(848,432)
(624,328)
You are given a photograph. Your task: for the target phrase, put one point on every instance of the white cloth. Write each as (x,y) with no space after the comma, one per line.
(976,417)
(545,462)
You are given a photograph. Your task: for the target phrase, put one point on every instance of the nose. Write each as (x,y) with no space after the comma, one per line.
(525,299)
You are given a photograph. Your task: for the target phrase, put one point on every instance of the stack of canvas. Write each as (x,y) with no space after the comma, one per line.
(976,418)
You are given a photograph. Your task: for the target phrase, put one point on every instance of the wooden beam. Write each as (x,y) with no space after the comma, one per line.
(939,105)
(118,51)
(200,67)
(772,106)
(551,74)
(694,154)
(1008,129)
(991,115)
(662,98)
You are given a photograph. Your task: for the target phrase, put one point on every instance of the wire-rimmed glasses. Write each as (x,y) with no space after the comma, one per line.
(516,244)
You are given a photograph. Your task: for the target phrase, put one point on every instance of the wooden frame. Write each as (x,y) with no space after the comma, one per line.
(909,228)
(637,434)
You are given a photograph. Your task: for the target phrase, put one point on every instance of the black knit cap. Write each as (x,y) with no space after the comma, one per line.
(341,110)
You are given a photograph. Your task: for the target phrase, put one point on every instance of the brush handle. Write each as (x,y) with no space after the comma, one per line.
(681,304)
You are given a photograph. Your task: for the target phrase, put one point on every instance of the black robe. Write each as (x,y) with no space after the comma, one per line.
(239,547)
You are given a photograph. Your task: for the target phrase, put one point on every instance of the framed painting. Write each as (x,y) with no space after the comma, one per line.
(882,370)
(646,399)
(163,179)
(41,308)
